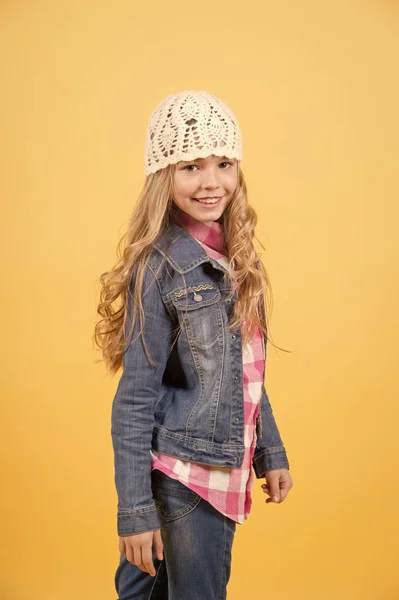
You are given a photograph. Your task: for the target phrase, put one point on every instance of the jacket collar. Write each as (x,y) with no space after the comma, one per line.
(182,251)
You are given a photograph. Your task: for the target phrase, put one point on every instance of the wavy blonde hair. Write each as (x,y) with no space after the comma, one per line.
(154,212)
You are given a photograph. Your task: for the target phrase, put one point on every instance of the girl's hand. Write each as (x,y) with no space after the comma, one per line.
(278,484)
(138,549)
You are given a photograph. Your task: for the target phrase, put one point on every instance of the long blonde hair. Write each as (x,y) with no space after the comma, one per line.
(154,212)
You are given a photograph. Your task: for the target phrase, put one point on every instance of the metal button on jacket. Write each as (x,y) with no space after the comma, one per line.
(197,297)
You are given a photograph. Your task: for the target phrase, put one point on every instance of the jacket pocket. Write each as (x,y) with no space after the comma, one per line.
(199,311)
(172,498)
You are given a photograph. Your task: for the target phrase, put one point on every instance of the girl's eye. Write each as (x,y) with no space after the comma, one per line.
(188,167)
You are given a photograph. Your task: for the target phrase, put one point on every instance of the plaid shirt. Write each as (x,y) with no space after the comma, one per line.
(227,489)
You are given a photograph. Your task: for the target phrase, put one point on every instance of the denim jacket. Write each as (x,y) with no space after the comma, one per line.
(190,403)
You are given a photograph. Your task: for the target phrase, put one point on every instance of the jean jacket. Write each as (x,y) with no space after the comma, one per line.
(189,403)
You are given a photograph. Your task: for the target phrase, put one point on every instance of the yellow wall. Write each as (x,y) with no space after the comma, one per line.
(314,85)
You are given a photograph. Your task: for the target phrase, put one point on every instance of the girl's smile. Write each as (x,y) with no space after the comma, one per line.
(209,202)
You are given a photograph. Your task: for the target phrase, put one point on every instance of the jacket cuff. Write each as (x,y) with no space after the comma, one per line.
(269,459)
(137,521)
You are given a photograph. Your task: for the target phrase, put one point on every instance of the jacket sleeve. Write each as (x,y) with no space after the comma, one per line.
(132,416)
(269,453)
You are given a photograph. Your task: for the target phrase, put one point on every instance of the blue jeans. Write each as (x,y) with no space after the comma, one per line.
(197,542)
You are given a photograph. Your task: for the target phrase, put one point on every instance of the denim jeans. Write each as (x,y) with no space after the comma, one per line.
(197,543)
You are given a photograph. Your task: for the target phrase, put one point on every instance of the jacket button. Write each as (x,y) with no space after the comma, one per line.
(233,337)
(235,459)
(197,297)
(236,419)
(228,300)
(235,377)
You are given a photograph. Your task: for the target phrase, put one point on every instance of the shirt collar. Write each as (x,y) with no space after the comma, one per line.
(210,234)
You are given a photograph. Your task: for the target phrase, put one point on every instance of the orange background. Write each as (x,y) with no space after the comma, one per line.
(314,86)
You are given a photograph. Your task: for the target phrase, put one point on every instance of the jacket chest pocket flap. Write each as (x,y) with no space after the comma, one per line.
(196,297)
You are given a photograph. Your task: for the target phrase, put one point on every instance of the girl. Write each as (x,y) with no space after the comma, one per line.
(192,424)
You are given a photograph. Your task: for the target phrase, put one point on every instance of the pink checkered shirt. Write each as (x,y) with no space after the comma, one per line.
(227,489)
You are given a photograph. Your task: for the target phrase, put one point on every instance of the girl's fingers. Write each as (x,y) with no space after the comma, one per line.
(146,554)
(122,548)
(138,550)
(129,553)
(137,557)
(158,545)
(266,490)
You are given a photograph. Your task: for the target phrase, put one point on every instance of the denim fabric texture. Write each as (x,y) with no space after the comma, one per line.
(189,404)
(197,541)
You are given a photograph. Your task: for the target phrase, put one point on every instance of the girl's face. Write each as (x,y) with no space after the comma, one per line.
(205,186)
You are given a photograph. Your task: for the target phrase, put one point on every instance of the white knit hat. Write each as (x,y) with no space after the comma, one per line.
(190,125)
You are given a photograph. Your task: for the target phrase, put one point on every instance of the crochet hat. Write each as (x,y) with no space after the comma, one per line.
(190,125)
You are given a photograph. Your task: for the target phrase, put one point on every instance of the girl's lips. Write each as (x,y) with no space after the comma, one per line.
(208,204)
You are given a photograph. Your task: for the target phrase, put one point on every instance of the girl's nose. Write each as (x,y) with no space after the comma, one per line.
(210,179)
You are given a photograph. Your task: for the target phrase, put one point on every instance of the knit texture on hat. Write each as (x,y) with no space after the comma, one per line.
(190,125)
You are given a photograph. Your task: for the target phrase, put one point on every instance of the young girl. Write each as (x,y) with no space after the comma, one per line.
(192,424)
